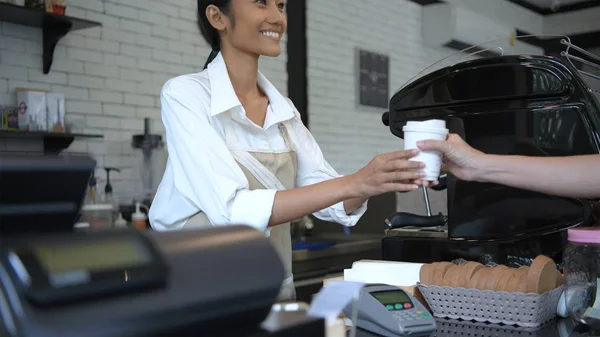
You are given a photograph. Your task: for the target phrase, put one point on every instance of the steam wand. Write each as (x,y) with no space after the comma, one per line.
(403,219)
(426,198)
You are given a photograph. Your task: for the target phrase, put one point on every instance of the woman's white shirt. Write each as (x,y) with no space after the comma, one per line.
(201,174)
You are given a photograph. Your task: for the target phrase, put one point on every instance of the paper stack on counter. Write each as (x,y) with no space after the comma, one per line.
(404,274)
(401,274)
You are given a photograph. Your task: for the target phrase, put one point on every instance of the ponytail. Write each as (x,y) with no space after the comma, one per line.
(211,57)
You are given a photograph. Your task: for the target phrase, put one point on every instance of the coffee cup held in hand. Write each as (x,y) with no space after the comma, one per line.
(418,131)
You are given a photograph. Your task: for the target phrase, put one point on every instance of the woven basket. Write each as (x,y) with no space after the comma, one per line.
(526,310)
(449,328)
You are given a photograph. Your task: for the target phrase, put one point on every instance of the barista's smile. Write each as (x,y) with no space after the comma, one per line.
(272,35)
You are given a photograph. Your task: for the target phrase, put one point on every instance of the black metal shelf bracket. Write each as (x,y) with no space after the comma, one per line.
(53,31)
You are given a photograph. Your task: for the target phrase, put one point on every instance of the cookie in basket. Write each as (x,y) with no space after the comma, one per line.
(513,284)
(440,271)
(468,270)
(479,279)
(452,276)
(484,277)
(502,281)
(542,275)
(494,276)
(426,273)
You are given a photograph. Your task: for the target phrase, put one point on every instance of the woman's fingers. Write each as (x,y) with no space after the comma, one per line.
(405,175)
(402,154)
(402,164)
(401,187)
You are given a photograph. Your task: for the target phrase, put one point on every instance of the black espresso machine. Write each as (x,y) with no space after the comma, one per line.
(513,105)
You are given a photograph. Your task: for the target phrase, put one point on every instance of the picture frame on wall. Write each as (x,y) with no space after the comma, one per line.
(373,79)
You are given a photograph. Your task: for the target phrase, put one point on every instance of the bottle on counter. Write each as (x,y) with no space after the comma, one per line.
(109,196)
(138,218)
(91,196)
(120,222)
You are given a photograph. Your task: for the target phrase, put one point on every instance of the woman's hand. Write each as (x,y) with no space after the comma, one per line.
(462,160)
(389,172)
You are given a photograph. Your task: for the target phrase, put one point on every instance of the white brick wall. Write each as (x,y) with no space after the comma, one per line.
(351,135)
(112,75)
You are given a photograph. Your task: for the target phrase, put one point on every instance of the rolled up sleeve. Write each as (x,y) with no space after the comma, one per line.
(204,172)
(313,169)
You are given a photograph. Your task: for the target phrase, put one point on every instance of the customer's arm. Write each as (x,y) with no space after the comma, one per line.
(576,176)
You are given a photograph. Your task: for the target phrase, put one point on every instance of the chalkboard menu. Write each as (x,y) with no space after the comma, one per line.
(373,79)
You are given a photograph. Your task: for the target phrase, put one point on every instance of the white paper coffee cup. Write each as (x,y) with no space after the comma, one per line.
(418,131)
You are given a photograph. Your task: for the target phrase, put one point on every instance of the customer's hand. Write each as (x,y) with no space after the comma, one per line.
(389,172)
(461,160)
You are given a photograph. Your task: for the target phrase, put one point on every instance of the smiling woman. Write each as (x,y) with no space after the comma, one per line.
(238,150)
(259,21)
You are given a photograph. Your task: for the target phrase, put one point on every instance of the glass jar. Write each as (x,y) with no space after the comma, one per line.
(582,269)
(98,216)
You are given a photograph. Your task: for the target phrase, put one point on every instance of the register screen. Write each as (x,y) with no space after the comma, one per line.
(93,256)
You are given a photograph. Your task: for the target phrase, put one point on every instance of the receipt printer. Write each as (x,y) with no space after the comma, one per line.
(129,283)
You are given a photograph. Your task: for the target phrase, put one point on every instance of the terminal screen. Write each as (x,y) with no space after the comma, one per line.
(393,300)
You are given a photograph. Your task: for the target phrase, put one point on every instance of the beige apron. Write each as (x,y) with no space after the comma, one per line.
(265,170)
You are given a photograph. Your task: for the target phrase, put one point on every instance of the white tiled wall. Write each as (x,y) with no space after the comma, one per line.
(112,75)
(349,134)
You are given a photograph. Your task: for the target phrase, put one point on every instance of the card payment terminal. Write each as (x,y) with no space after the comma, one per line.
(390,311)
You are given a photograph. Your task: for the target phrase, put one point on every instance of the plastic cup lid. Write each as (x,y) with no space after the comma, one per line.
(584,234)
(424,130)
(432,125)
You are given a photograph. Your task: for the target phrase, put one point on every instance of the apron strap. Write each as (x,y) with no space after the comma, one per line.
(258,170)
(288,134)
(255,167)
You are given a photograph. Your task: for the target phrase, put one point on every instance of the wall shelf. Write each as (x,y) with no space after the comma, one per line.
(54,26)
(54,142)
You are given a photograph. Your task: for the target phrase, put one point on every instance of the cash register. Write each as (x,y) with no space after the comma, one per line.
(510,104)
(56,281)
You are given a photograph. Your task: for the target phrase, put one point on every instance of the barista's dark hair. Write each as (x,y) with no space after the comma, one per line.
(211,35)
